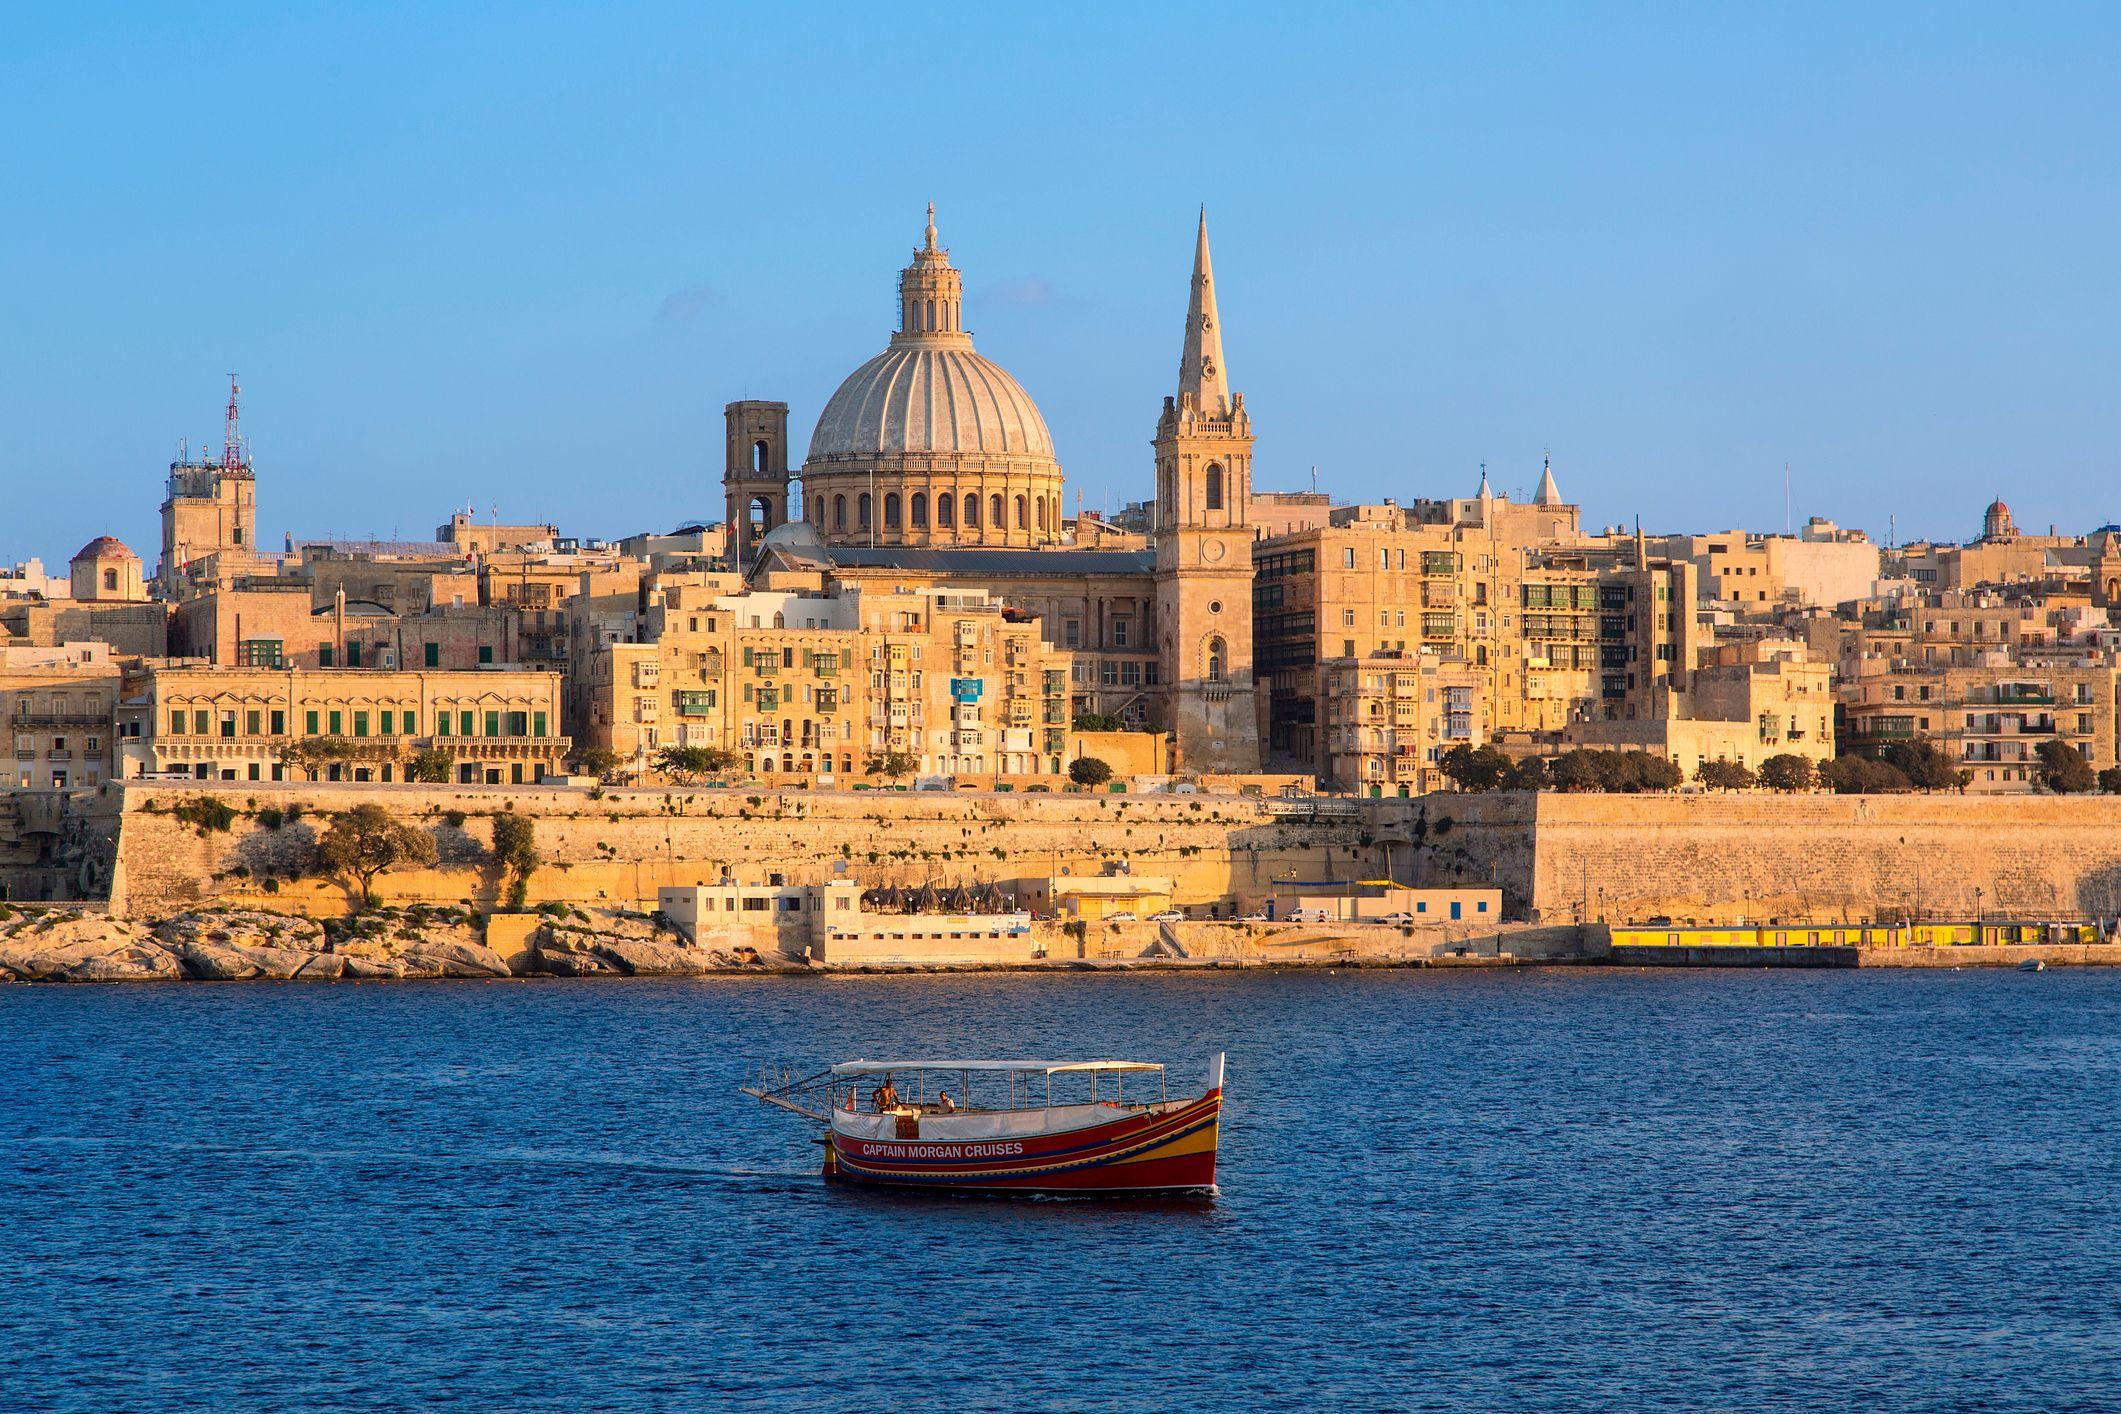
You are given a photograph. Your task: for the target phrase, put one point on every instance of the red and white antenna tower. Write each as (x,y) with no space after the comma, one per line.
(231,440)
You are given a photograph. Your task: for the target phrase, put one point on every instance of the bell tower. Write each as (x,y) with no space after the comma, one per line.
(1204,547)
(756,476)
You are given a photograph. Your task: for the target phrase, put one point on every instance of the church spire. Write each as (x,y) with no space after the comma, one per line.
(1549,493)
(1200,366)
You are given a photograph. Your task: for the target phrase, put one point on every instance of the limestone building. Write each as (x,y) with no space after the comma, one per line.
(497,727)
(809,687)
(931,469)
(210,514)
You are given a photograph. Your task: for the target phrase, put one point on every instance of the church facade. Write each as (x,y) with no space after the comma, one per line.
(931,468)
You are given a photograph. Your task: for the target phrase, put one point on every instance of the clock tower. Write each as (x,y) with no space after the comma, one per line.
(1203,537)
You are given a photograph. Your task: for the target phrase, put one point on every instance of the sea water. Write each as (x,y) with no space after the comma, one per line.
(1560,1189)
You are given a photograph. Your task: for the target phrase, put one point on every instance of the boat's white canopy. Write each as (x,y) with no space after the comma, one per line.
(1038,1067)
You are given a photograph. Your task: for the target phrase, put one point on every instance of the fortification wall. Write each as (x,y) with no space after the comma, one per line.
(1724,857)
(620,848)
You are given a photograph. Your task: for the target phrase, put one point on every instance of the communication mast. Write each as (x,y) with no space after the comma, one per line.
(231,440)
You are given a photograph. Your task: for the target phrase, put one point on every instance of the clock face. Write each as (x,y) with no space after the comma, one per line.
(1211,550)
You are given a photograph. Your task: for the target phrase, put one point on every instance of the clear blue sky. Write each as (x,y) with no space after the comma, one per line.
(521,255)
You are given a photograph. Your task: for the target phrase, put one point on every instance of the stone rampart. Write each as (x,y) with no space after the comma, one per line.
(1721,858)
(618,848)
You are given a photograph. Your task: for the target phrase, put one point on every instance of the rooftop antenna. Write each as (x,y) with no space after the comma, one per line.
(231,439)
(1785,498)
(1314,481)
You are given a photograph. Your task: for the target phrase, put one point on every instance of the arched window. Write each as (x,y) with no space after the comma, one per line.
(817,516)
(1216,658)
(931,314)
(997,514)
(891,510)
(945,509)
(839,512)
(1042,513)
(1215,487)
(919,508)
(1022,514)
(780,621)
(759,456)
(971,511)
(761,513)
(862,512)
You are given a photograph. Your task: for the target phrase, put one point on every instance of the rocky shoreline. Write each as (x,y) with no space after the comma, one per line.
(62,945)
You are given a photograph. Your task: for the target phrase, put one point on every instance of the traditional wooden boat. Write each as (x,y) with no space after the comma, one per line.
(1066,1127)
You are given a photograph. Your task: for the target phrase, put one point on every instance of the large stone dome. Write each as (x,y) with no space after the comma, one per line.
(928,443)
(920,398)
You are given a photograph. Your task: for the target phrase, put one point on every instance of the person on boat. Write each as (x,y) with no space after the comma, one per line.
(886,1096)
(944,1103)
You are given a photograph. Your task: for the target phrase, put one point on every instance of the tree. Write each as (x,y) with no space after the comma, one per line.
(1577,770)
(1474,768)
(595,761)
(1529,774)
(312,753)
(367,840)
(686,764)
(1787,771)
(1926,766)
(1640,771)
(1862,775)
(1088,771)
(431,767)
(2063,768)
(2110,780)
(515,849)
(891,764)
(1094,722)
(1725,775)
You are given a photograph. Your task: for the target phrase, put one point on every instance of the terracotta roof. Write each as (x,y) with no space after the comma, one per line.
(105,547)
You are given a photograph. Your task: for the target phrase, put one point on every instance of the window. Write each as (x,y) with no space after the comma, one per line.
(411,723)
(110,579)
(862,511)
(431,655)
(971,511)
(945,510)
(360,724)
(1215,487)
(518,724)
(309,724)
(337,726)
(997,517)
(353,655)
(389,725)
(1217,656)
(198,722)
(537,720)
(486,653)
(279,724)
(325,656)
(442,724)
(493,724)
(1022,514)
(250,723)
(1347,558)
(464,724)
(839,512)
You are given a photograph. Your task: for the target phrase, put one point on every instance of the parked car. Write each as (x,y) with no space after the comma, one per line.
(1169,915)
(1123,916)
(1255,918)
(1398,920)
(1310,915)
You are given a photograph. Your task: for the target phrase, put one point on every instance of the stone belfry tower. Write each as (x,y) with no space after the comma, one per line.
(1204,547)
(755,475)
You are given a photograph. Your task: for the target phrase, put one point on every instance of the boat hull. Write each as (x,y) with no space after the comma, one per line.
(1168,1152)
